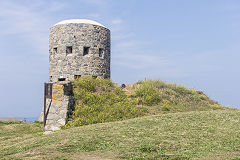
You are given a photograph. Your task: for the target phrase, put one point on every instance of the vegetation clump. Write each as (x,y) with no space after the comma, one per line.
(160,96)
(100,100)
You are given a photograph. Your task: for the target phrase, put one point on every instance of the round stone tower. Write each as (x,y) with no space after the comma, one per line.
(78,47)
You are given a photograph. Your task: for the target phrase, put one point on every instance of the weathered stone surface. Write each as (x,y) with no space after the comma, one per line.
(61,121)
(75,50)
(59,106)
(77,36)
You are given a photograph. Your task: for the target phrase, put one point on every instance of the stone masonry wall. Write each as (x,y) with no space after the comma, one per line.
(78,36)
(60,106)
(68,60)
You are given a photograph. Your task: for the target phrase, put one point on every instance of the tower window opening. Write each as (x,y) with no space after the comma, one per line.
(69,49)
(55,50)
(77,76)
(61,79)
(101,52)
(105,77)
(50,79)
(85,50)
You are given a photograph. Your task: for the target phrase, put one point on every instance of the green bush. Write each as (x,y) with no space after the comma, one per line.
(147,94)
(98,101)
(90,84)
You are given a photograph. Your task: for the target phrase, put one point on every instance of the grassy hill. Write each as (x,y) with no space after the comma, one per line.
(184,135)
(146,120)
(100,100)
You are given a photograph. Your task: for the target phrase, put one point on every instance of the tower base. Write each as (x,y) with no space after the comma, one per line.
(59,108)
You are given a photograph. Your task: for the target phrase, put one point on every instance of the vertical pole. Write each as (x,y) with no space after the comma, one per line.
(44,110)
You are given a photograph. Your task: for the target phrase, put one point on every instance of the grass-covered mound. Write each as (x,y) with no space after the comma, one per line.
(162,97)
(100,100)
(185,135)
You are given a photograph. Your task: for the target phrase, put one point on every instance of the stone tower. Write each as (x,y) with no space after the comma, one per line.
(77,47)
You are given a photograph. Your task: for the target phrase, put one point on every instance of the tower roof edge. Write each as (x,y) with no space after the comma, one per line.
(86,21)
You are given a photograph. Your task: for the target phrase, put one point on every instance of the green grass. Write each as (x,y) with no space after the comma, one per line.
(147,120)
(186,135)
(100,100)
(160,96)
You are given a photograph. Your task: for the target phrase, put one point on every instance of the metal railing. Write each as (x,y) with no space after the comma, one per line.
(47,94)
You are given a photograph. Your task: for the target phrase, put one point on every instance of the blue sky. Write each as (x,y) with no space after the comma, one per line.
(189,42)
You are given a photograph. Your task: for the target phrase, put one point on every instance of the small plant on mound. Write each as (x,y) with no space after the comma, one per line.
(147,94)
(100,100)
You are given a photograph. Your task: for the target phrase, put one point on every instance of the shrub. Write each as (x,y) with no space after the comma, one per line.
(147,94)
(90,84)
(98,101)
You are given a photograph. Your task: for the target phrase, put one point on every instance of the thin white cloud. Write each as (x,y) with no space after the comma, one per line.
(147,66)
(117,21)
(31,21)
(125,45)
(139,60)
(56,6)
(94,15)
(121,36)
(97,2)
